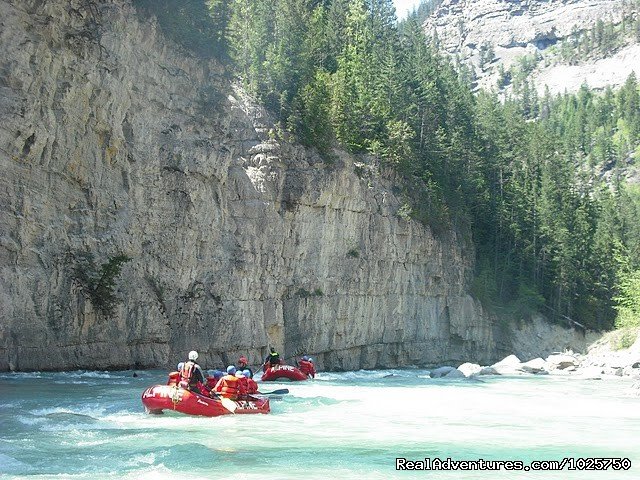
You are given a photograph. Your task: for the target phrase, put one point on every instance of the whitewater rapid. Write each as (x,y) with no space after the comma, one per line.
(350,425)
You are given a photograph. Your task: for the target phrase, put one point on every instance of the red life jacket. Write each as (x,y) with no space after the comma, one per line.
(174,378)
(187,379)
(307,368)
(228,386)
(252,386)
(242,386)
(211,382)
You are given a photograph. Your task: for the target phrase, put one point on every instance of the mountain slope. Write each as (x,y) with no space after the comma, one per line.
(491,35)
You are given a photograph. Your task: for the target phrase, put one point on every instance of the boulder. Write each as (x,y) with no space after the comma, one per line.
(561,361)
(470,369)
(613,371)
(441,372)
(488,371)
(536,366)
(508,366)
(455,373)
(511,360)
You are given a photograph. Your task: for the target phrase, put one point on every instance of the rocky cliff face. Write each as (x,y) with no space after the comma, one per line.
(515,28)
(115,141)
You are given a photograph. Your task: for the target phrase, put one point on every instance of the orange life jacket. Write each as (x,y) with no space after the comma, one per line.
(228,386)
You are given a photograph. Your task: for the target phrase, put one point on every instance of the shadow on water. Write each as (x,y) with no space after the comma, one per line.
(71,417)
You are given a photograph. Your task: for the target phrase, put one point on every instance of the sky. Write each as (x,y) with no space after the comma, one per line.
(403,7)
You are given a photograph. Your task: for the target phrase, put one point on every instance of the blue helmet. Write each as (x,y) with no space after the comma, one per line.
(231,370)
(247,373)
(305,358)
(217,374)
(180,365)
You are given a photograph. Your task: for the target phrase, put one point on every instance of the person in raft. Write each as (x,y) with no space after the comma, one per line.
(228,385)
(242,383)
(191,376)
(243,364)
(272,359)
(252,386)
(214,378)
(306,366)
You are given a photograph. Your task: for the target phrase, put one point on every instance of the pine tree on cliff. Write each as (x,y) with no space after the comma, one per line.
(349,101)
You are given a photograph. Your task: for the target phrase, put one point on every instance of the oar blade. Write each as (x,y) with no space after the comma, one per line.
(282,391)
(229,404)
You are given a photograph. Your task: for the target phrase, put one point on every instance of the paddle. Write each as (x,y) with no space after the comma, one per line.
(228,404)
(282,391)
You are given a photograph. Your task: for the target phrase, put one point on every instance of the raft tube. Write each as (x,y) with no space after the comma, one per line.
(279,372)
(158,398)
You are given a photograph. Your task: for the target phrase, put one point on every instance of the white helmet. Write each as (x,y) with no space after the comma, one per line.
(193,355)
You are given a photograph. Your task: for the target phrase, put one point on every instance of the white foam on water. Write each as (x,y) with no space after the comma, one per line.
(31,420)
(136,460)
(20,375)
(89,374)
(169,421)
(73,382)
(91,443)
(161,472)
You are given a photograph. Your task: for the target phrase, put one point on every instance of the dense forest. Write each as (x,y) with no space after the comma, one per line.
(535,180)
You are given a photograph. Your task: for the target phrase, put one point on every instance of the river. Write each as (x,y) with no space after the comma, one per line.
(349,425)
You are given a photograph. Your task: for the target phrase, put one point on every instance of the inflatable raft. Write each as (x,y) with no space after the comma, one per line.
(280,372)
(158,398)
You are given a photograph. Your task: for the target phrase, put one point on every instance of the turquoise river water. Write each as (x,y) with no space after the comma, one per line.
(91,425)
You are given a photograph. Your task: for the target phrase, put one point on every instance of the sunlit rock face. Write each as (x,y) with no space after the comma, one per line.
(515,28)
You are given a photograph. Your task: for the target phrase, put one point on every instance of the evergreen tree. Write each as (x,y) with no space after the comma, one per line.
(336,30)
(521,176)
